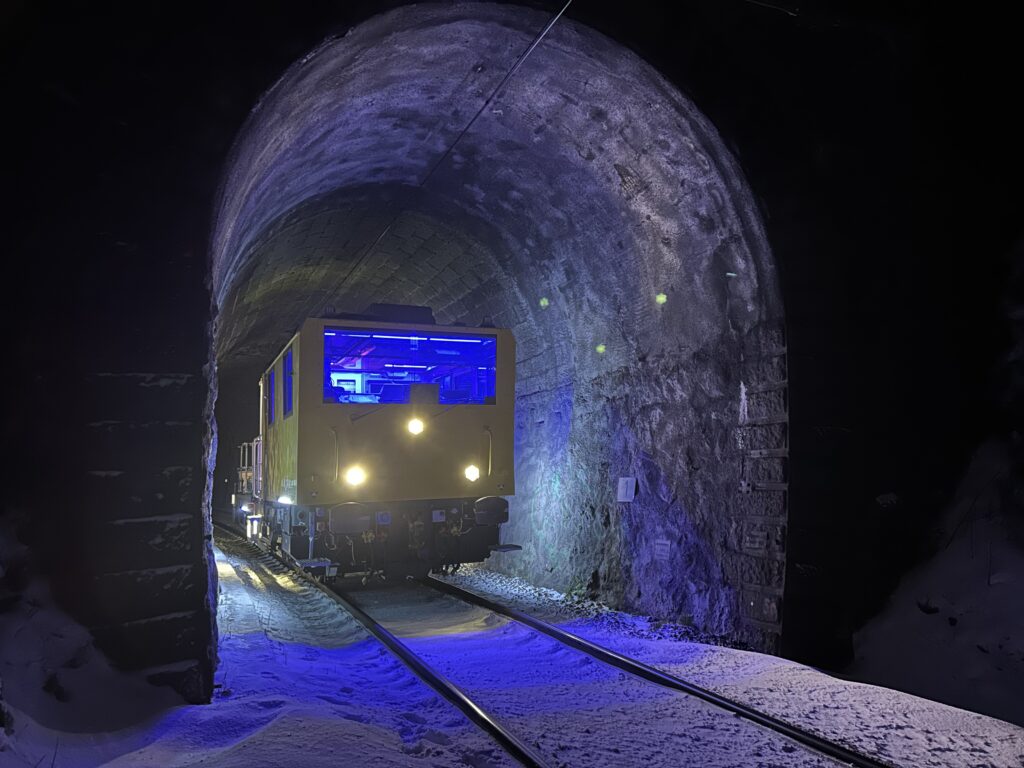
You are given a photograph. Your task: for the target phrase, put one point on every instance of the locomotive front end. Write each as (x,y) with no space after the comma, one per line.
(388,447)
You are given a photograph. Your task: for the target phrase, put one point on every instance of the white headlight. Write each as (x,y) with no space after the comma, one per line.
(472,473)
(284,500)
(415,426)
(355,475)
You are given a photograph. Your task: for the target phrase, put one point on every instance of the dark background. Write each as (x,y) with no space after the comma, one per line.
(879,139)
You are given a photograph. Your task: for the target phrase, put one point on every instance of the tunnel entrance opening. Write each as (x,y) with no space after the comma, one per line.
(592,210)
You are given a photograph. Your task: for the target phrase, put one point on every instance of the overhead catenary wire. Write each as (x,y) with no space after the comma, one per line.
(497,90)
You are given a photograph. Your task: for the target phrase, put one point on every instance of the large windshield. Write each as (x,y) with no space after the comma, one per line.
(367,366)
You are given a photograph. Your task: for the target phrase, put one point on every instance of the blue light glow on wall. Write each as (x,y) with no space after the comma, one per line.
(361,367)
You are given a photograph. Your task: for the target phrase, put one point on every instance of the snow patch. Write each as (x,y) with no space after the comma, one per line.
(954,629)
(299,682)
(898,727)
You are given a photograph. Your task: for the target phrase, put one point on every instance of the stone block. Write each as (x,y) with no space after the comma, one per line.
(765,337)
(147,542)
(113,493)
(763,404)
(156,641)
(758,637)
(126,596)
(761,606)
(763,370)
(764,504)
(761,436)
(766,470)
(762,572)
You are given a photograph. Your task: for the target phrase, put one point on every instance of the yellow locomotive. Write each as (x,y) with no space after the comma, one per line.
(385,448)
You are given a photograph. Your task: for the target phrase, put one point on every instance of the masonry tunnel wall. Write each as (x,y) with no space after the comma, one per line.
(588,181)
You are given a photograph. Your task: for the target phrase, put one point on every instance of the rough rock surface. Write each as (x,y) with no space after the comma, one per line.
(591,208)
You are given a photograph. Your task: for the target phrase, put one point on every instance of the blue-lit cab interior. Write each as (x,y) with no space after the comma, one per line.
(380,412)
(366,366)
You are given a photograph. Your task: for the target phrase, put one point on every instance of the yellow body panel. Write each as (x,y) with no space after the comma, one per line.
(306,453)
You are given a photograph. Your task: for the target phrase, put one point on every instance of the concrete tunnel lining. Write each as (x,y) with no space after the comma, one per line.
(589,181)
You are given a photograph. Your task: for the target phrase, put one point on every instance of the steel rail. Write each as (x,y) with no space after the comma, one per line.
(509,742)
(637,668)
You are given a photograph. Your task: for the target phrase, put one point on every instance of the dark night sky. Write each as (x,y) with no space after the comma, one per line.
(878,139)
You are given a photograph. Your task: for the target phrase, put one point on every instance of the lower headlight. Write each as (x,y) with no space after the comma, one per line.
(472,473)
(355,475)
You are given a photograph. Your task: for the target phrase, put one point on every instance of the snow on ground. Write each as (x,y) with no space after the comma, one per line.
(58,691)
(300,683)
(574,710)
(954,629)
(897,727)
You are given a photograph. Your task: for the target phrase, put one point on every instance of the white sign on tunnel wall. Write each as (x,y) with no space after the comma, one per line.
(627,489)
(661,550)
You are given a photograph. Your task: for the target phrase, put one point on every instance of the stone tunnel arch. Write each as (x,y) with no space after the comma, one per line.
(589,181)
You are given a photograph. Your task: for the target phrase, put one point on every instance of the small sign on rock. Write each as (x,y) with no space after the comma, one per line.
(661,550)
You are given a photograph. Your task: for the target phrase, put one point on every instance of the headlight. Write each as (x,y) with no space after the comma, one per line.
(415,426)
(285,500)
(472,473)
(355,475)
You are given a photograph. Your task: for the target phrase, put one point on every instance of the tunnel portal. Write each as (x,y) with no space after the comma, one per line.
(590,208)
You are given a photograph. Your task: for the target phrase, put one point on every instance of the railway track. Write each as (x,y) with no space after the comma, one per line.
(507,730)
(510,743)
(643,671)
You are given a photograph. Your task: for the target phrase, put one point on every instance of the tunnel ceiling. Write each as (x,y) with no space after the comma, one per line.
(588,181)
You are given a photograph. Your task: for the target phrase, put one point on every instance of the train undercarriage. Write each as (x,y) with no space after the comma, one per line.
(387,542)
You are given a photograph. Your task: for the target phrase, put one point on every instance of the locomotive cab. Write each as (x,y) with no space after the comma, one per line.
(386,448)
